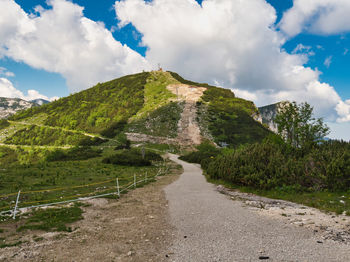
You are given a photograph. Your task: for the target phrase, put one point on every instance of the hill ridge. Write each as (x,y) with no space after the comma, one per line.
(148,107)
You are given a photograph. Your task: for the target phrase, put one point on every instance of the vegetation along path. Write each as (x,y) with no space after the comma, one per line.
(211,227)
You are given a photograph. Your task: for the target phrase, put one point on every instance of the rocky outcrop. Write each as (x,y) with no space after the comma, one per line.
(268,114)
(9,106)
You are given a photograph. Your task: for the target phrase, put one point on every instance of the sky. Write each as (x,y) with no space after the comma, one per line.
(265,51)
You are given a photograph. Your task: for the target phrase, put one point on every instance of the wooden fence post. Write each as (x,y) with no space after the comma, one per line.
(15,210)
(118,191)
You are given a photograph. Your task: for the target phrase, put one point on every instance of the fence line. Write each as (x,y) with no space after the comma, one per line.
(57,189)
(119,190)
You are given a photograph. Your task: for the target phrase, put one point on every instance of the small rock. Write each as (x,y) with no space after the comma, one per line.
(264,257)
(130,253)
(320,242)
(185,236)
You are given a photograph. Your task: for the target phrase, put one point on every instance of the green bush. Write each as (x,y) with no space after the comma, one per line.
(114,129)
(204,154)
(132,157)
(126,158)
(4,123)
(124,143)
(272,165)
(76,153)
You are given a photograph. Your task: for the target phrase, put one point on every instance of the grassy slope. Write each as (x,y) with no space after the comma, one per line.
(95,109)
(27,170)
(37,135)
(160,114)
(142,101)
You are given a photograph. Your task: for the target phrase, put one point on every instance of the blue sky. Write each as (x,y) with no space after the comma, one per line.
(325,49)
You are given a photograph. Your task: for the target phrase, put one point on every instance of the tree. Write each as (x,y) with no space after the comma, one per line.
(298,127)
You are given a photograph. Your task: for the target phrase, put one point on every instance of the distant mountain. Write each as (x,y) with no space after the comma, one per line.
(40,101)
(268,114)
(9,106)
(150,107)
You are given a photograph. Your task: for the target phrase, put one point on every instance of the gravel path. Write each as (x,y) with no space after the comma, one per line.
(211,227)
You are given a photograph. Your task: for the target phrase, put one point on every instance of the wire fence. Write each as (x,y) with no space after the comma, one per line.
(17,202)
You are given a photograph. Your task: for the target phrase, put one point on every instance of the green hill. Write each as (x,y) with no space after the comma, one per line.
(135,104)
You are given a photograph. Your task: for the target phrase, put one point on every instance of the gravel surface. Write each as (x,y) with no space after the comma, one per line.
(211,227)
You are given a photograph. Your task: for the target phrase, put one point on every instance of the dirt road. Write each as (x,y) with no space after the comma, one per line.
(134,228)
(212,227)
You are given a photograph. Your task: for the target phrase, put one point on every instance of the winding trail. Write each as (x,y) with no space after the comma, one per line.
(211,227)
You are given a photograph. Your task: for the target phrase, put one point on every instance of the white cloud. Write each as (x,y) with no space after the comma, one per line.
(8,90)
(301,48)
(245,94)
(328,61)
(62,40)
(346,51)
(219,42)
(5,72)
(323,17)
(343,109)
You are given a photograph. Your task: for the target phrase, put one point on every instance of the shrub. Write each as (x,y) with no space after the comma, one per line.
(114,129)
(4,123)
(271,165)
(124,142)
(206,152)
(132,157)
(126,158)
(76,153)
(91,141)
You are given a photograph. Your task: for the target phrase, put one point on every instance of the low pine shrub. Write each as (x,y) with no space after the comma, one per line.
(132,157)
(272,165)
(205,153)
(76,153)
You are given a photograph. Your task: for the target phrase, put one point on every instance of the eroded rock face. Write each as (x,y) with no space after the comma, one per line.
(9,106)
(268,114)
(187,92)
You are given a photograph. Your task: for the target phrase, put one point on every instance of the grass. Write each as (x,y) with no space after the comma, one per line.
(337,202)
(38,239)
(229,119)
(40,135)
(95,109)
(52,219)
(162,122)
(17,243)
(162,148)
(155,93)
(66,179)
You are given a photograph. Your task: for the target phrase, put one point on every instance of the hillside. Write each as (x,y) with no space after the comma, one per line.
(9,106)
(155,107)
